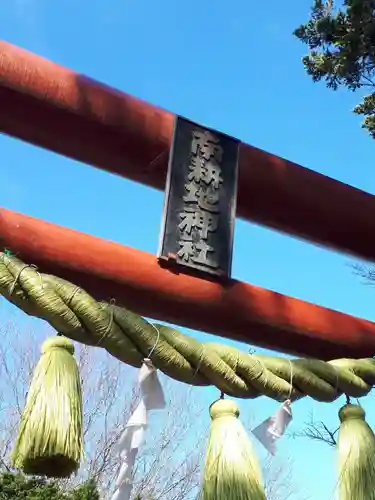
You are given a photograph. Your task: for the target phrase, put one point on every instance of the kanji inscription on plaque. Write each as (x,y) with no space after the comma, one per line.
(200,200)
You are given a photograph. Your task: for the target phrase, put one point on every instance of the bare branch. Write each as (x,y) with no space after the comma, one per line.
(316,431)
(367,273)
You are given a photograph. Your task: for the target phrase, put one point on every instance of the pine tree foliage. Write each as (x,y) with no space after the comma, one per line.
(341,42)
(19,487)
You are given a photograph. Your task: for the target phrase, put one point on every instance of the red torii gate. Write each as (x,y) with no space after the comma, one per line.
(60,110)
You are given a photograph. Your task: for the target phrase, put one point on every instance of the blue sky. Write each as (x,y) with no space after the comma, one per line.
(234,66)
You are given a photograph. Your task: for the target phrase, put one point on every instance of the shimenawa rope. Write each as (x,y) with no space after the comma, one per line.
(130,338)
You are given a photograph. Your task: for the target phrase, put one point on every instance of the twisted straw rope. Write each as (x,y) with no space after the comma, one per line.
(130,338)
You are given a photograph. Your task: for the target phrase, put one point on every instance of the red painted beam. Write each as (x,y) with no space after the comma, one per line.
(134,279)
(55,108)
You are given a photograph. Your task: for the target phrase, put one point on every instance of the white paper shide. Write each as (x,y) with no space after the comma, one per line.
(274,427)
(152,398)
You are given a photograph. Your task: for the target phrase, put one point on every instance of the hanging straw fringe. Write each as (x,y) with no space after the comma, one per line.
(356,455)
(231,468)
(50,435)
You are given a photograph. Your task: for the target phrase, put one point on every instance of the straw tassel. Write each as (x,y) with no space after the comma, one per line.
(231,469)
(356,455)
(50,436)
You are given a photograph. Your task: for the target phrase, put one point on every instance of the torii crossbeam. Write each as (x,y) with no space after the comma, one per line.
(57,109)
